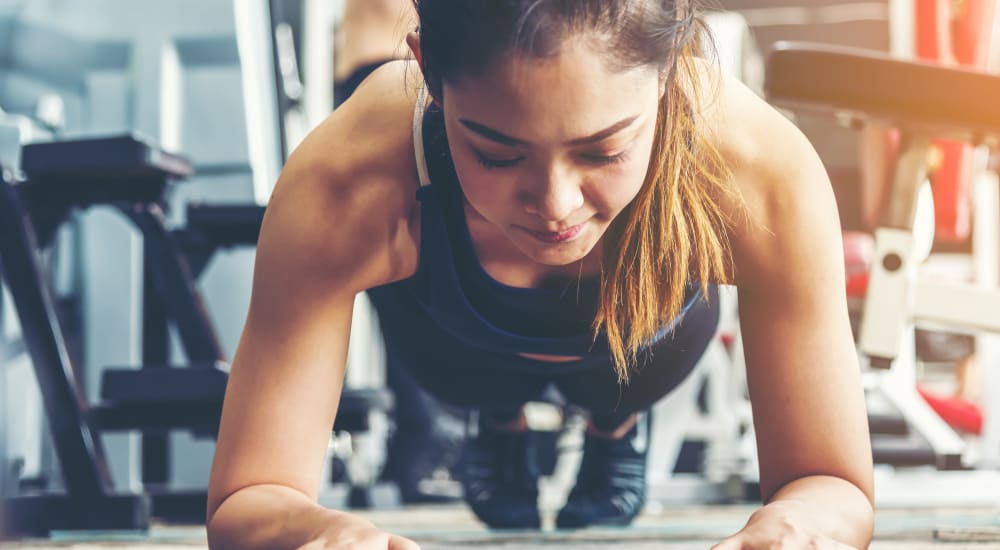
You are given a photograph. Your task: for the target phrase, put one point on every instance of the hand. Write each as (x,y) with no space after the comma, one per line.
(382,542)
(355,533)
(779,525)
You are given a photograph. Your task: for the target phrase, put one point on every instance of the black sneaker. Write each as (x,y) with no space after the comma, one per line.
(500,477)
(611,486)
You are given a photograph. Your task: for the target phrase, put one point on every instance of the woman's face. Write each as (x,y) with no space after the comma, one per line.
(550,150)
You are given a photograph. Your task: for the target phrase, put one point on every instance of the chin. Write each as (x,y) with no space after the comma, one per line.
(556,255)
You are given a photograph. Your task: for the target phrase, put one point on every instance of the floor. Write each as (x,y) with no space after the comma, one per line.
(682,528)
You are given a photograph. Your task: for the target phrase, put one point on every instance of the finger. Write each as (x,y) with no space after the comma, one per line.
(400,543)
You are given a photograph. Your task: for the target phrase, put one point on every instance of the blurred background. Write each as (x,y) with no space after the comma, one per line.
(144,138)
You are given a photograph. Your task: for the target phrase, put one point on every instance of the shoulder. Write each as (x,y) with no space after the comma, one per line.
(769,156)
(344,205)
(784,203)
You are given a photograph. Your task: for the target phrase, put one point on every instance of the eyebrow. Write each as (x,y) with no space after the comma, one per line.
(504,139)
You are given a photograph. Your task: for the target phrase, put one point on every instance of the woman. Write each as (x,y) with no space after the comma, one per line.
(369,34)
(560,212)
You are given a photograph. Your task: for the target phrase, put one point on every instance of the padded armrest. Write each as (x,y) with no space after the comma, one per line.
(865,85)
(124,154)
(84,172)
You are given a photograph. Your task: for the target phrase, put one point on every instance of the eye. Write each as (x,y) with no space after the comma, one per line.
(604,160)
(491,163)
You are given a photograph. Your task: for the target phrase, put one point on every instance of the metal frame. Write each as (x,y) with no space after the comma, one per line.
(264,125)
(898,299)
(986,245)
(88,499)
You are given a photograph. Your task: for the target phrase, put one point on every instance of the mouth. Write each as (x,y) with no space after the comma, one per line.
(557,236)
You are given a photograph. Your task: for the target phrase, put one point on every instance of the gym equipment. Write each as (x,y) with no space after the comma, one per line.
(939,102)
(854,23)
(215,87)
(954,34)
(118,66)
(89,501)
(134,176)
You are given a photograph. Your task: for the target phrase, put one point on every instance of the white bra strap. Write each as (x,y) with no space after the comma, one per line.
(418,136)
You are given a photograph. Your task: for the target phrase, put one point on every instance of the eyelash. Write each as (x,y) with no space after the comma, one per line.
(605,160)
(600,160)
(492,164)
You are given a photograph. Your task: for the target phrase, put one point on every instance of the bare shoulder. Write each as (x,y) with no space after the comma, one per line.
(786,204)
(345,200)
(341,220)
(801,362)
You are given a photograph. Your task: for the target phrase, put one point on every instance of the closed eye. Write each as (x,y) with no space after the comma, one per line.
(491,163)
(604,160)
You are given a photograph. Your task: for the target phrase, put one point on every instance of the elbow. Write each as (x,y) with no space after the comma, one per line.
(213,509)
(214,529)
(216,524)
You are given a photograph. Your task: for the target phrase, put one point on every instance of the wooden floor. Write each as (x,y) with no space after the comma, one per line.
(453,527)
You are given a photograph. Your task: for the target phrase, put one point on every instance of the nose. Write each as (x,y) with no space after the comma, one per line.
(555,197)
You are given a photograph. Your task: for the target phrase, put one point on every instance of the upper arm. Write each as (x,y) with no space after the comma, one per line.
(802,369)
(339,221)
(286,376)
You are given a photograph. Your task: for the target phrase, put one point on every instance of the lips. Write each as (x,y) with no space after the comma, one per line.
(556,237)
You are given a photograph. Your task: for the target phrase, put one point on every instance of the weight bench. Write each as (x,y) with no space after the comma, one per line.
(925,102)
(130,174)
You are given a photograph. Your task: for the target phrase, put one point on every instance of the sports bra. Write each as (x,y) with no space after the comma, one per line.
(455,291)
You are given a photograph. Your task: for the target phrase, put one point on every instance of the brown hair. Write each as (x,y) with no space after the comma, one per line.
(674,233)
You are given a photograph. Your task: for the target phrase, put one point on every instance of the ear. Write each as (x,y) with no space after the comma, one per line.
(413,42)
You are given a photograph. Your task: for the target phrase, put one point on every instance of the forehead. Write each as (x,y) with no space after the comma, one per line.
(571,93)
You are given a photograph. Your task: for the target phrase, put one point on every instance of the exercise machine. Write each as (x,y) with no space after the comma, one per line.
(858,88)
(134,177)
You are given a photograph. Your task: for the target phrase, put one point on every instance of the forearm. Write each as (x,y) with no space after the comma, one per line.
(268,516)
(832,506)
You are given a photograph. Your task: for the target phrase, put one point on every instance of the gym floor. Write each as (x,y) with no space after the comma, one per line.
(453,527)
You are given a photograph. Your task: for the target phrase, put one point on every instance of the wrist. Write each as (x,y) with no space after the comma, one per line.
(783,509)
(798,517)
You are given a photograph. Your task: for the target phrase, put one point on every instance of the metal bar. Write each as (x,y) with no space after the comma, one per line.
(155,335)
(957,305)
(888,303)
(164,260)
(910,173)
(276,16)
(5,474)
(986,253)
(155,354)
(81,454)
(946,443)
(254,38)
(887,308)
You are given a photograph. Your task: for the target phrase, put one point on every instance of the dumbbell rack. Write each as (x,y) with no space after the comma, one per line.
(134,176)
(89,500)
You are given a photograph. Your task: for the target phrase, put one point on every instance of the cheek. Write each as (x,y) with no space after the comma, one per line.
(618,185)
(484,189)
(613,190)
